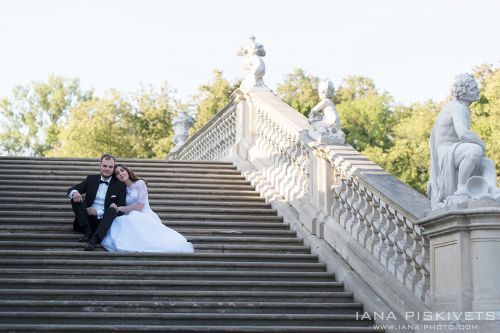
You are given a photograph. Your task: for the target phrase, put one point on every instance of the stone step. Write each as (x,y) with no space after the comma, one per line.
(61,190)
(95,167)
(153,274)
(203,239)
(71,179)
(168,172)
(171,265)
(176,295)
(66,225)
(220,319)
(72,161)
(161,257)
(157,184)
(171,285)
(7,208)
(66,230)
(68,221)
(184,329)
(68,214)
(176,307)
(206,248)
(220,227)
(37,201)
(202,198)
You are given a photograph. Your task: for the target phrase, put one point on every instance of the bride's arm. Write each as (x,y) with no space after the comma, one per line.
(129,208)
(141,199)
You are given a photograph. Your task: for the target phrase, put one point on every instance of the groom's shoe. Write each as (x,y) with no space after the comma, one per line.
(90,246)
(87,236)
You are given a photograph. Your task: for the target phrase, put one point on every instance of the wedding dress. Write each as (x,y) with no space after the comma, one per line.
(142,231)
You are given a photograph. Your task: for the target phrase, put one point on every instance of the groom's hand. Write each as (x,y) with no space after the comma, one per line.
(91,211)
(77,197)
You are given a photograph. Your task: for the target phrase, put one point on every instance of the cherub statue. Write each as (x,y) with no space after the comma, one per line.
(254,65)
(324,117)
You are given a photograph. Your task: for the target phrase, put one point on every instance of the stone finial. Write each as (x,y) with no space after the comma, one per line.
(459,169)
(254,67)
(324,117)
(181,125)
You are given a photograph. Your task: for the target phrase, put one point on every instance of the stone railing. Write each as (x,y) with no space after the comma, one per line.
(380,213)
(337,194)
(214,141)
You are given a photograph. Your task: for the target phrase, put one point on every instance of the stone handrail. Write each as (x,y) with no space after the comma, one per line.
(338,194)
(213,141)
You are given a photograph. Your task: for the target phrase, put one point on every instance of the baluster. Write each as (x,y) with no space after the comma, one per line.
(353,203)
(406,269)
(343,190)
(422,260)
(392,237)
(359,229)
(367,218)
(386,251)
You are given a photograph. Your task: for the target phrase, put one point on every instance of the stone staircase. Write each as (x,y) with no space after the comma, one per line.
(249,272)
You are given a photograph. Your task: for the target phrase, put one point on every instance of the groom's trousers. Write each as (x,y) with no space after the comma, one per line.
(98,227)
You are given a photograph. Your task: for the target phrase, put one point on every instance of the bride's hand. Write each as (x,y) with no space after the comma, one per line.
(113,205)
(120,209)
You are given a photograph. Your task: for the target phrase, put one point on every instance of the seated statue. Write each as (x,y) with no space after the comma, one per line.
(324,117)
(459,168)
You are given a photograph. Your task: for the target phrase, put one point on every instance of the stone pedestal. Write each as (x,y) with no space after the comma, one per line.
(326,138)
(465,256)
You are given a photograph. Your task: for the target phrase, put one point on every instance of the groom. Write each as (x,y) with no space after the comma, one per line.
(93,213)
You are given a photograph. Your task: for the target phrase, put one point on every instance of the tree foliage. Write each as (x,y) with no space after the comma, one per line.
(299,90)
(211,98)
(33,114)
(366,115)
(127,126)
(485,115)
(409,157)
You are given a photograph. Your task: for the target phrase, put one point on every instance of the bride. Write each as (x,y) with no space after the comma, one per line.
(140,229)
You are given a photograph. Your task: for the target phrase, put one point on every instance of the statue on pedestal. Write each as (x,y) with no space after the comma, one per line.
(254,65)
(324,117)
(459,169)
(181,125)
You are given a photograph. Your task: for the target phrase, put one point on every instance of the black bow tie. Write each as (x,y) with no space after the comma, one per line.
(104,182)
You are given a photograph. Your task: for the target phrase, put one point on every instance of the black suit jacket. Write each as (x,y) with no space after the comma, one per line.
(116,192)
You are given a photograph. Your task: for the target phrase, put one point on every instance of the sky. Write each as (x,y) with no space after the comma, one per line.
(410,48)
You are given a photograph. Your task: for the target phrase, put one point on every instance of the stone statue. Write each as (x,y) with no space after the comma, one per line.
(459,169)
(324,117)
(181,125)
(254,65)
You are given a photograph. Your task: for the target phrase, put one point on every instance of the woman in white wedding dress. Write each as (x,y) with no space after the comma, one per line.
(139,229)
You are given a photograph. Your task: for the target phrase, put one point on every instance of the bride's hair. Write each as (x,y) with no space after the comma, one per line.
(131,174)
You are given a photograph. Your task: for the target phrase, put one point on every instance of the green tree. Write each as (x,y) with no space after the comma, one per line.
(96,126)
(299,90)
(485,114)
(151,121)
(367,116)
(409,157)
(211,98)
(128,126)
(34,112)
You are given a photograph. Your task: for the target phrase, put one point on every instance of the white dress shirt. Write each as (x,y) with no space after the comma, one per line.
(100,196)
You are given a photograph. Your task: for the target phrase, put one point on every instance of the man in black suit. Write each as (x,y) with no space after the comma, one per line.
(95,213)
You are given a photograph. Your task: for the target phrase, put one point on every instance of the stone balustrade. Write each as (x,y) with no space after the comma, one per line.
(214,141)
(338,195)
